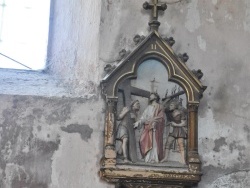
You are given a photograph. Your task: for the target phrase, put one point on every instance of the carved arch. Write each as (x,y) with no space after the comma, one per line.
(171,69)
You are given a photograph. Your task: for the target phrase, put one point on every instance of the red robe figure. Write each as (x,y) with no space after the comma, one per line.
(152,121)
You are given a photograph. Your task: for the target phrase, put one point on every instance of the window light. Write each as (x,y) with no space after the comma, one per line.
(24,26)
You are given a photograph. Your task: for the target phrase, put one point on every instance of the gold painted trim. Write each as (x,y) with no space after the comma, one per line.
(191,98)
(178,67)
(165,43)
(198,82)
(149,175)
(120,79)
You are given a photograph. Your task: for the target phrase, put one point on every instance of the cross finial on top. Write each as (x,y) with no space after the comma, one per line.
(155,6)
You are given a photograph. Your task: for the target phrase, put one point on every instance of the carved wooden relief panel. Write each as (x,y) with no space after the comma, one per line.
(151,123)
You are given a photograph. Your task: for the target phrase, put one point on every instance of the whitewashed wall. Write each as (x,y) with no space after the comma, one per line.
(51,128)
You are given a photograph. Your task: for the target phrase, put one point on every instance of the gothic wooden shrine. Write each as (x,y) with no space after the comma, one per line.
(151,123)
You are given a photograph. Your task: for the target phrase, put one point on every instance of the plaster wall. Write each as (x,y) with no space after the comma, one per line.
(51,128)
(216,36)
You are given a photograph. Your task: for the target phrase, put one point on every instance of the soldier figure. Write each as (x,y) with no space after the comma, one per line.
(178,129)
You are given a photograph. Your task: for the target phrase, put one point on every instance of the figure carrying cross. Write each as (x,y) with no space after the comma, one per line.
(155,6)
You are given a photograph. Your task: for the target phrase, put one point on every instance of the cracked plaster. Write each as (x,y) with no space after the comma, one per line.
(37,152)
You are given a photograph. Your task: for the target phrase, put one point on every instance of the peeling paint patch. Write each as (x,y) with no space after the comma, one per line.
(237,179)
(217,147)
(84,130)
(60,114)
(202,43)
(218,143)
(193,17)
(235,145)
(21,170)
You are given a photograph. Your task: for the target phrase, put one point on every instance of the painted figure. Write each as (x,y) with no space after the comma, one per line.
(178,129)
(152,121)
(127,117)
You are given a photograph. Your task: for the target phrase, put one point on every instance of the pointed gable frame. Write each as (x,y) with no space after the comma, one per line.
(152,47)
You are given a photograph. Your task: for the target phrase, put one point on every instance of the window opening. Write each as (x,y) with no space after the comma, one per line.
(24,28)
